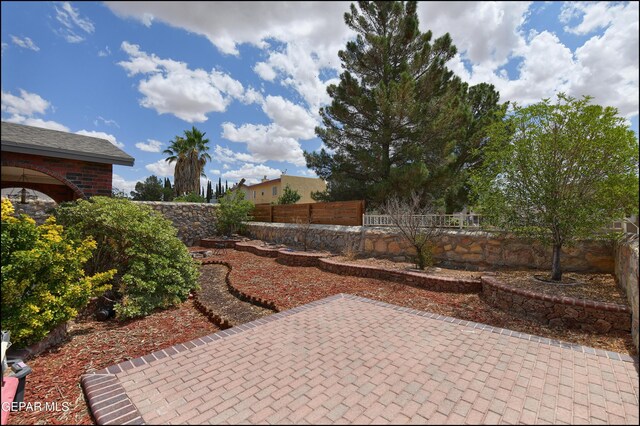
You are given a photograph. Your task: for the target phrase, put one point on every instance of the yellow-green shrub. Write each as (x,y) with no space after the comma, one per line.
(154,267)
(43,280)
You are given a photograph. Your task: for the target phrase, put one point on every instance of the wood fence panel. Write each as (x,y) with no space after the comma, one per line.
(347,213)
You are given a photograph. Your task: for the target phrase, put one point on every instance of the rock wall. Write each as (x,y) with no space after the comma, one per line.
(468,249)
(192,220)
(555,311)
(626,255)
(38,210)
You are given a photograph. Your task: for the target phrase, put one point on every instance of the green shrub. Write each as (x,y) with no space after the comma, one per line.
(154,267)
(43,281)
(232,210)
(191,197)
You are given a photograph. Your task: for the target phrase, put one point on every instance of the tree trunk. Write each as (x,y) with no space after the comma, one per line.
(556,271)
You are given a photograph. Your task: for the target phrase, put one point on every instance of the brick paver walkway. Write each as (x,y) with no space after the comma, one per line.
(346,359)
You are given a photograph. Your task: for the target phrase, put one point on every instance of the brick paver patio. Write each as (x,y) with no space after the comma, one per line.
(346,359)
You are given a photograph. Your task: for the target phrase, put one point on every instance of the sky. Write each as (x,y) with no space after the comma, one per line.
(253,75)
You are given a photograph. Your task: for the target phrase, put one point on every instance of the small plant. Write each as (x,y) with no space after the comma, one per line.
(191,197)
(43,281)
(351,250)
(408,216)
(154,267)
(232,210)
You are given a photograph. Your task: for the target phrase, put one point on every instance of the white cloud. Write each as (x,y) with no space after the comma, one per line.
(482,31)
(162,168)
(171,87)
(265,71)
(595,15)
(278,140)
(214,171)
(228,24)
(105,52)
(25,43)
(72,23)
(105,121)
(152,145)
(101,135)
(23,108)
(608,64)
(25,104)
(37,122)
(4,46)
(253,173)
(126,186)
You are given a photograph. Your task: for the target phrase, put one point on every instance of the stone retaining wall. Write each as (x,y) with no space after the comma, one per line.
(626,255)
(429,282)
(192,220)
(474,250)
(567,312)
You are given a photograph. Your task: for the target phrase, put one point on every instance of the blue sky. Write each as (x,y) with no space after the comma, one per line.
(253,75)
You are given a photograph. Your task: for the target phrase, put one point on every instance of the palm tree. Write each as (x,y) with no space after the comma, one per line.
(190,155)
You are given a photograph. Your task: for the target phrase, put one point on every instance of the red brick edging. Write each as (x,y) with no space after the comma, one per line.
(569,312)
(263,303)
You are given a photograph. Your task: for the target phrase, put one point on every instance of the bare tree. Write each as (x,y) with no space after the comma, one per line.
(302,233)
(413,217)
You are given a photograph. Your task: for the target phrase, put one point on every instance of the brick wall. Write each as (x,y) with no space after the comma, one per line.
(83,178)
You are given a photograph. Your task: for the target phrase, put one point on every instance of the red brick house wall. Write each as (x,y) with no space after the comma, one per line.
(82,179)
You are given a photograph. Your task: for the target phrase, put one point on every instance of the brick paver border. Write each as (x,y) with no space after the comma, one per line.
(110,404)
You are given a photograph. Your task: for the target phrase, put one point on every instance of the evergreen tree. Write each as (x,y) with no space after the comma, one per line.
(395,113)
(219,189)
(167,191)
(289,196)
(149,190)
(209,192)
(226,186)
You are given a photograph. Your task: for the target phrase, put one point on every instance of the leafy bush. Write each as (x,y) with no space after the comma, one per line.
(43,281)
(191,197)
(232,210)
(154,267)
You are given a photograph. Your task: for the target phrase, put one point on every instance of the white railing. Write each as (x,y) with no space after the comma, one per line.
(626,226)
(457,220)
(474,221)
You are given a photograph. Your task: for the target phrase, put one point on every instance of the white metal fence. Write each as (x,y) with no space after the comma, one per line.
(474,221)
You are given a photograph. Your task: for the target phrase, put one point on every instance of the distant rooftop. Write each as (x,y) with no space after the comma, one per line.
(23,139)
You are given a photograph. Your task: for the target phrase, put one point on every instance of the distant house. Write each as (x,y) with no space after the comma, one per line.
(64,166)
(269,191)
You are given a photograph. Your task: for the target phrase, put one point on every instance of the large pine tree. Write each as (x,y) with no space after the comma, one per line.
(396,112)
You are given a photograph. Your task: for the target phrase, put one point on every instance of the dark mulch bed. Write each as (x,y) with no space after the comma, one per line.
(94,345)
(291,286)
(215,296)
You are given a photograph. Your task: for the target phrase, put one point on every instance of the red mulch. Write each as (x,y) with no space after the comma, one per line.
(291,286)
(94,345)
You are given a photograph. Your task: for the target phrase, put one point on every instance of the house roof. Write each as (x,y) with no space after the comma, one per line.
(53,143)
(266,182)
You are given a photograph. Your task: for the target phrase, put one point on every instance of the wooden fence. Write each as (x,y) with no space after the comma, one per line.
(337,213)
